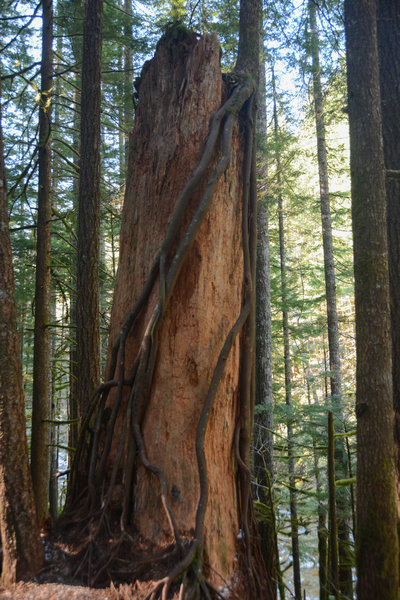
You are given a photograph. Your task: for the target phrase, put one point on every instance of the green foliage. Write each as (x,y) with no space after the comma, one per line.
(286,47)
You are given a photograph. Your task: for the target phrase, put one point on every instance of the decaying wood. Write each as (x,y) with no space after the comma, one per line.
(170,428)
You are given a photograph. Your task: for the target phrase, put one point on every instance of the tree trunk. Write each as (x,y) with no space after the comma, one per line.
(170,450)
(192,335)
(20,542)
(73,410)
(40,453)
(54,413)
(377,543)
(263,301)
(333,561)
(345,574)
(321,527)
(263,424)
(128,77)
(288,379)
(87,293)
(388,20)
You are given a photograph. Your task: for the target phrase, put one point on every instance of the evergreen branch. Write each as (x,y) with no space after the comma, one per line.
(345,482)
(57,213)
(25,26)
(21,72)
(74,150)
(393,173)
(65,159)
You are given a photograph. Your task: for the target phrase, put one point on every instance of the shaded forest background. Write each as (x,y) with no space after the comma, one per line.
(291,430)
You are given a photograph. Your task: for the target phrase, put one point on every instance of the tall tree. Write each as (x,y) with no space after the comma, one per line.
(388,19)
(335,374)
(294,526)
(40,455)
(73,31)
(87,293)
(22,551)
(128,76)
(333,561)
(322,512)
(377,541)
(172,455)
(263,425)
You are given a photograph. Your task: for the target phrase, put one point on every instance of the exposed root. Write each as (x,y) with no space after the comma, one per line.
(189,569)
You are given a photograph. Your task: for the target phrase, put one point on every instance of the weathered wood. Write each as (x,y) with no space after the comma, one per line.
(178,95)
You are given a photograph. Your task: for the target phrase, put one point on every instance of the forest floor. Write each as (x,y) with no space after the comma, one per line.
(62,578)
(55,591)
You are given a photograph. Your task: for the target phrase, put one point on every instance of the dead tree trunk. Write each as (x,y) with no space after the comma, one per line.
(169,453)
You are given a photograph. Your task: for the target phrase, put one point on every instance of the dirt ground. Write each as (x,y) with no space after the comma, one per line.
(61,591)
(59,579)
(55,591)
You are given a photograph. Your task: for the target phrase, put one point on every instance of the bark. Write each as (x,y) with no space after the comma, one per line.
(76,45)
(249,36)
(263,425)
(40,454)
(87,293)
(54,397)
(377,543)
(388,21)
(264,401)
(180,470)
(128,77)
(22,552)
(73,411)
(192,336)
(263,297)
(287,366)
(54,412)
(335,375)
(333,526)
(321,527)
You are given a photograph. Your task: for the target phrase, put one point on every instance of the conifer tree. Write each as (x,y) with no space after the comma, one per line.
(40,454)
(22,551)
(335,374)
(287,366)
(377,542)
(388,23)
(87,295)
(263,423)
